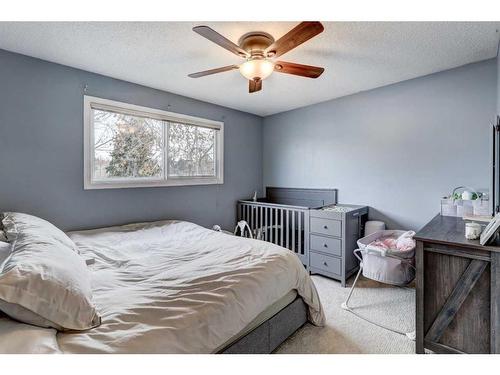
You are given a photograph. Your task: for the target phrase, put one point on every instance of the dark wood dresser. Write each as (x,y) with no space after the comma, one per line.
(457,290)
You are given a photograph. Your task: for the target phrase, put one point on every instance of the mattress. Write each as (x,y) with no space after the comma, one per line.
(176,287)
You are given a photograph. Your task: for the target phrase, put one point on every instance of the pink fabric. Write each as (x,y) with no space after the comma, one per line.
(384,243)
(404,242)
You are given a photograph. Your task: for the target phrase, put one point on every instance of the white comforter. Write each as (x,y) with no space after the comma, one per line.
(175,287)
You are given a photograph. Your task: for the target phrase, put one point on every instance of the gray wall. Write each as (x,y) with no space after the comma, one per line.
(41,151)
(397,149)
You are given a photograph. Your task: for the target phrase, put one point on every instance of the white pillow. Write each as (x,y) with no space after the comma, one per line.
(17,224)
(44,281)
(22,314)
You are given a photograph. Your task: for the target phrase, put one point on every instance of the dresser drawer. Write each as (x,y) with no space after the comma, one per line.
(326,263)
(326,244)
(326,226)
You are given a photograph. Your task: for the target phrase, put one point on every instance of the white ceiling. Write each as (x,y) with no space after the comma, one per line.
(357,56)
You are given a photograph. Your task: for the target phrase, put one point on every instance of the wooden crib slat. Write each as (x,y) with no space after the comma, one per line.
(247,218)
(265,224)
(299,232)
(287,215)
(260,221)
(256,220)
(250,219)
(271,233)
(275,225)
(281,226)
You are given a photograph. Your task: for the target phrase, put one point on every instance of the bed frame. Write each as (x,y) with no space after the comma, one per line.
(273,332)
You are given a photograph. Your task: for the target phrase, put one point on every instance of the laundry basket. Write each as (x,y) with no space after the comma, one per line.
(395,267)
(389,267)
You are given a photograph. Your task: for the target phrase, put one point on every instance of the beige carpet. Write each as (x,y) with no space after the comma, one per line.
(346,333)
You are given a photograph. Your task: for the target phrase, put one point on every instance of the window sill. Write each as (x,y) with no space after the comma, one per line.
(97,185)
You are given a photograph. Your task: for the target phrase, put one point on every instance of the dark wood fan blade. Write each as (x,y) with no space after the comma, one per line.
(254,86)
(212,71)
(220,40)
(295,37)
(298,69)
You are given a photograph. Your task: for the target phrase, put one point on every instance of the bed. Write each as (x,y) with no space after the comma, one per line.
(176,287)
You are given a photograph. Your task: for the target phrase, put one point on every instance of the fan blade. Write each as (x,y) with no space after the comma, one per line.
(254,86)
(212,71)
(295,37)
(298,69)
(220,40)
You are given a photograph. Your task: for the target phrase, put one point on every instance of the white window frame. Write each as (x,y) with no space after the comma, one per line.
(92,102)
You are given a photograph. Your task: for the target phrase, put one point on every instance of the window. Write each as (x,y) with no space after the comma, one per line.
(132,146)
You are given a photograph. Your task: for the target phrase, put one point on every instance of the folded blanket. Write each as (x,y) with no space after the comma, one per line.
(406,242)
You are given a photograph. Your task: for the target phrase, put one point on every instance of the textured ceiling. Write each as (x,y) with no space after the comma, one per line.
(357,56)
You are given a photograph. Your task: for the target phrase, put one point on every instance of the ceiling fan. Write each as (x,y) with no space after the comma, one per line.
(260,50)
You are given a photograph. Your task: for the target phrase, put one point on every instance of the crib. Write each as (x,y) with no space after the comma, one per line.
(282,217)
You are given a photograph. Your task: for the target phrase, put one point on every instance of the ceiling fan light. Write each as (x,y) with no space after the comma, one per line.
(257,69)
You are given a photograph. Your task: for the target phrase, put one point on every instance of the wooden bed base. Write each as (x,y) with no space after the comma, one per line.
(269,335)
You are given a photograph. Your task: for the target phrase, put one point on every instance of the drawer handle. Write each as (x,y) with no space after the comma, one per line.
(325,264)
(325,245)
(325,226)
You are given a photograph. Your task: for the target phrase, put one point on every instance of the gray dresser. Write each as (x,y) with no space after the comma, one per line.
(333,232)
